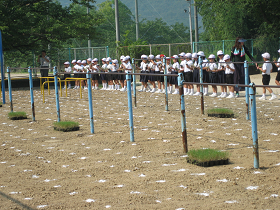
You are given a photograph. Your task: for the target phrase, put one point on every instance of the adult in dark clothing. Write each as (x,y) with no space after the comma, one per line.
(238,52)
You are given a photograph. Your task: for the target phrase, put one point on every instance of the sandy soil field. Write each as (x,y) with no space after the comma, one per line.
(45,169)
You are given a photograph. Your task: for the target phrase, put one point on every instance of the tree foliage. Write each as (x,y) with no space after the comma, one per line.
(32,24)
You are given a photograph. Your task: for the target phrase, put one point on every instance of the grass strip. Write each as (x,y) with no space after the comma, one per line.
(205,155)
(66,126)
(219,111)
(17,115)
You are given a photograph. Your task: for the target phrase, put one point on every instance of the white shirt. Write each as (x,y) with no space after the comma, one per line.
(229,71)
(86,68)
(196,64)
(278,64)
(183,63)
(144,66)
(151,66)
(110,67)
(115,67)
(43,62)
(168,66)
(213,66)
(104,66)
(80,68)
(76,68)
(267,67)
(205,64)
(175,66)
(221,63)
(156,67)
(68,69)
(188,66)
(94,68)
(128,67)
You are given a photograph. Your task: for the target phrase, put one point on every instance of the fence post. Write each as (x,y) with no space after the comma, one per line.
(31,93)
(90,102)
(107,51)
(247,89)
(134,82)
(223,45)
(165,84)
(10,89)
(201,86)
(56,94)
(254,125)
(2,70)
(183,113)
(128,79)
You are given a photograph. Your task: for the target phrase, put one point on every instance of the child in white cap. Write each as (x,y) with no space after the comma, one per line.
(174,70)
(212,69)
(277,79)
(221,74)
(143,67)
(67,69)
(229,70)
(196,76)
(152,79)
(266,71)
(103,76)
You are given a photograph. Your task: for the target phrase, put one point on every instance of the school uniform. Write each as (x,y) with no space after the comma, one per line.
(128,69)
(95,70)
(188,74)
(143,66)
(278,74)
(67,70)
(229,73)
(196,75)
(267,66)
(205,73)
(175,68)
(152,71)
(103,76)
(121,77)
(221,74)
(169,71)
(115,71)
(213,76)
(162,69)
(109,76)
(157,70)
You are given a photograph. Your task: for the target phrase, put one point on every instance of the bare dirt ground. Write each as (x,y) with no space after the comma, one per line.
(45,169)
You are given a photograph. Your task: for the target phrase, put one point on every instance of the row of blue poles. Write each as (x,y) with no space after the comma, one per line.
(129,96)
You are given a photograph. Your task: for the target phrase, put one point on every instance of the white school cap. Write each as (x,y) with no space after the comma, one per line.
(266,55)
(108,59)
(220,52)
(226,57)
(182,54)
(66,63)
(175,56)
(158,57)
(279,50)
(79,61)
(127,57)
(103,59)
(201,53)
(168,58)
(74,61)
(89,59)
(151,57)
(194,55)
(212,56)
(122,57)
(144,57)
(188,55)
(84,61)
(94,60)
(115,61)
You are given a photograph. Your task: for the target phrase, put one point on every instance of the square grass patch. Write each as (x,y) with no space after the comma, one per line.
(66,126)
(17,115)
(220,112)
(207,157)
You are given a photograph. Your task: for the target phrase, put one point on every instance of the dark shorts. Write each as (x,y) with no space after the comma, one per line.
(152,78)
(115,76)
(66,76)
(103,77)
(205,76)
(265,79)
(221,77)
(174,80)
(188,76)
(278,76)
(196,76)
(143,78)
(229,78)
(95,76)
(213,77)
(161,78)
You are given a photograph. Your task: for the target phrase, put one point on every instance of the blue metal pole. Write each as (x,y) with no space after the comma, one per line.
(254,125)
(31,93)
(201,86)
(183,113)
(10,89)
(56,93)
(107,51)
(134,82)
(165,84)
(224,46)
(247,90)
(2,70)
(128,79)
(90,102)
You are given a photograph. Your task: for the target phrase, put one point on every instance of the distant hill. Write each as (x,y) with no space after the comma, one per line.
(170,11)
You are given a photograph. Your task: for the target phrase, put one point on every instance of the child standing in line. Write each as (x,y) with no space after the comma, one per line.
(212,69)
(152,79)
(266,71)
(182,68)
(103,76)
(174,70)
(196,76)
(221,74)
(277,79)
(205,73)
(188,74)
(67,69)
(143,67)
(229,75)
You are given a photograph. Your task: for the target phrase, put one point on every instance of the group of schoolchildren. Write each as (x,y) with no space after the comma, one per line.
(186,63)
(112,81)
